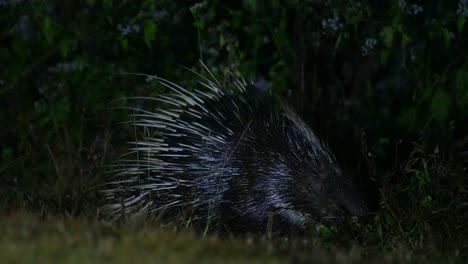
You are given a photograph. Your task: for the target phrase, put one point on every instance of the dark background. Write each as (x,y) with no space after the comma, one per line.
(383,83)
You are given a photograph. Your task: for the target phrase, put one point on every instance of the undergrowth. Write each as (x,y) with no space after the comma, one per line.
(385,84)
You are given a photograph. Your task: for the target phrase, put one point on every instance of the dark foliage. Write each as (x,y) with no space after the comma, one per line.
(385,83)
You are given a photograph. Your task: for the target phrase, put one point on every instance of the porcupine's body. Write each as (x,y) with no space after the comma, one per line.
(230,157)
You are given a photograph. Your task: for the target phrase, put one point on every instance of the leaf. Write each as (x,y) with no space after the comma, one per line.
(338,42)
(462,80)
(408,117)
(48,30)
(440,105)
(461,23)
(405,39)
(387,36)
(149,32)
(462,89)
(446,36)
(124,43)
(199,24)
(250,4)
(324,230)
(64,47)
(384,56)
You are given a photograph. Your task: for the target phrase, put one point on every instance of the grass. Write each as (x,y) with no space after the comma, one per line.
(26,238)
(30,238)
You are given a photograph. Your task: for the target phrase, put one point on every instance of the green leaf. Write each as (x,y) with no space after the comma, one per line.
(408,117)
(337,44)
(387,36)
(405,39)
(324,230)
(446,36)
(461,23)
(64,47)
(48,30)
(440,105)
(462,80)
(222,40)
(149,32)
(199,24)
(384,55)
(462,89)
(124,43)
(422,178)
(250,4)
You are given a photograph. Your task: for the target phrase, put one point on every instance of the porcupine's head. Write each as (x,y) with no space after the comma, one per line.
(232,158)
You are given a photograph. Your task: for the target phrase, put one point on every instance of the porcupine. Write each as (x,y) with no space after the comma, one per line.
(233,158)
